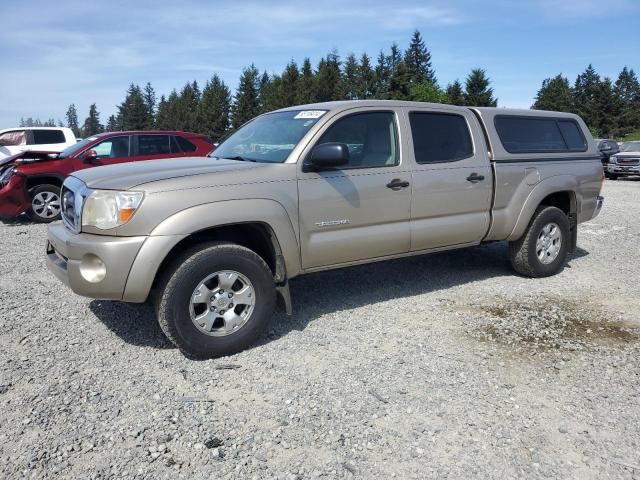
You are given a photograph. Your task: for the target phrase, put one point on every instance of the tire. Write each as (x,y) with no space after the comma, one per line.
(613,176)
(45,203)
(524,253)
(178,314)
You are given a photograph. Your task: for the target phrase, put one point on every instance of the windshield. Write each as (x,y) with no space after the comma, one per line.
(630,147)
(71,149)
(269,138)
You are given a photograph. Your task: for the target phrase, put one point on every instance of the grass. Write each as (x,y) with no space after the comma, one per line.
(635,135)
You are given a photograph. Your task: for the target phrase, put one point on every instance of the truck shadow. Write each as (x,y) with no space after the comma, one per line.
(333,291)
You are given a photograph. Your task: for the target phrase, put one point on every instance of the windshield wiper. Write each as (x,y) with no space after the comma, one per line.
(242,159)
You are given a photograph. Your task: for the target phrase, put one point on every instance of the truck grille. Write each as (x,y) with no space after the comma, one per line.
(628,161)
(73,192)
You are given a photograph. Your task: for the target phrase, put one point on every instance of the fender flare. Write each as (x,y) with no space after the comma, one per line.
(166,235)
(548,186)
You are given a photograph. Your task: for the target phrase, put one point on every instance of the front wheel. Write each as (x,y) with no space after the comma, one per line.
(216,300)
(542,251)
(45,203)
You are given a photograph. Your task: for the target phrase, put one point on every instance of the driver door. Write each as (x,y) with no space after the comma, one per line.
(110,151)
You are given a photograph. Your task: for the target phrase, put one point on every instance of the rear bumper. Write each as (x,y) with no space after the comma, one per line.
(14,197)
(71,257)
(599,205)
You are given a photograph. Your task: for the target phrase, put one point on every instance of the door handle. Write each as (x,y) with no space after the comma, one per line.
(397,184)
(475,178)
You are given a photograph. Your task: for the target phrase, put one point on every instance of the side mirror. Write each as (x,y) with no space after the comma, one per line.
(90,156)
(327,156)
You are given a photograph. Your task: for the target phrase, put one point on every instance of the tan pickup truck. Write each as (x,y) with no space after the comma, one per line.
(317,187)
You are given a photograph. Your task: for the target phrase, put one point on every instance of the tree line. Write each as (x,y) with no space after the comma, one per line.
(610,109)
(215,111)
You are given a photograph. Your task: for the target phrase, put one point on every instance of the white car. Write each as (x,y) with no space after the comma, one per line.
(48,139)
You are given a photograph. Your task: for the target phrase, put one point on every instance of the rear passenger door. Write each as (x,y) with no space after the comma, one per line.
(452,178)
(154,146)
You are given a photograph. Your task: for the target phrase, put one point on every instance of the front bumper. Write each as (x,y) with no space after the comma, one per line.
(14,198)
(623,169)
(70,254)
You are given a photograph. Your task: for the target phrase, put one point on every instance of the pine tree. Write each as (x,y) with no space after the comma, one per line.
(627,91)
(478,93)
(215,108)
(167,112)
(606,108)
(418,61)
(455,94)
(382,77)
(133,111)
(289,84)
(49,123)
(72,120)
(350,77)
(112,124)
(584,92)
(306,84)
(365,78)
(186,118)
(329,78)
(149,95)
(555,94)
(246,104)
(92,124)
(427,92)
(399,82)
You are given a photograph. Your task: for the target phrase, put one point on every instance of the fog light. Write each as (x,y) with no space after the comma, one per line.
(92,269)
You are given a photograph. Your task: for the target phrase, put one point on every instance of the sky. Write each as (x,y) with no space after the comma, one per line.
(57,53)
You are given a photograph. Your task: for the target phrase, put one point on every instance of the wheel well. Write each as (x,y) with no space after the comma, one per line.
(42,180)
(565,201)
(258,237)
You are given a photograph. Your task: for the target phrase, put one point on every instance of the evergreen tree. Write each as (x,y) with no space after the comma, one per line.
(112,124)
(306,84)
(271,93)
(288,86)
(555,94)
(246,104)
(167,112)
(186,115)
(72,120)
(215,108)
(149,95)
(427,92)
(365,79)
(606,109)
(584,93)
(92,123)
(49,123)
(455,94)
(399,82)
(350,77)
(627,92)
(418,61)
(382,77)
(133,111)
(478,93)
(329,78)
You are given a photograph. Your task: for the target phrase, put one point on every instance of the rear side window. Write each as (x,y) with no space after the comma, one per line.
(153,144)
(13,138)
(43,137)
(440,137)
(539,135)
(185,145)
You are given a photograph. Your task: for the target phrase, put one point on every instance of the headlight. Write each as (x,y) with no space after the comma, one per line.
(613,159)
(105,209)
(6,175)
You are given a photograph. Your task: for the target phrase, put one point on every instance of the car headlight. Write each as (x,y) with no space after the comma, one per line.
(6,175)
(612,159)
(106,209)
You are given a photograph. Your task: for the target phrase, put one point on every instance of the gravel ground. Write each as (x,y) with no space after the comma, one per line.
(444,366)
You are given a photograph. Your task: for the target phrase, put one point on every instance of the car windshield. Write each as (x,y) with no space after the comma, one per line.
(630,147)
(269,138)
(71,149)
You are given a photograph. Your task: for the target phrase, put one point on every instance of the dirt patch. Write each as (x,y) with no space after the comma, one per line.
(553,323)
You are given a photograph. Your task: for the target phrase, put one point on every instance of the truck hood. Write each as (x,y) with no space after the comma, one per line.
(150,174)
(27,157)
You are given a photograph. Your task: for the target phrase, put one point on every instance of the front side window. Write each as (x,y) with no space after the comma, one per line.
(440,137)
(114,147)
(370,137)
(269,138)
(153,145)
(13,138)
(44,137)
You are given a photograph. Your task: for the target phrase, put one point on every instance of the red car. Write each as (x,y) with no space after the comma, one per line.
(30,181)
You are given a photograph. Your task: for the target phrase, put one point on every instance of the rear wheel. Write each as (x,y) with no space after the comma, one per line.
(542,250)
(216,300)
(45,203)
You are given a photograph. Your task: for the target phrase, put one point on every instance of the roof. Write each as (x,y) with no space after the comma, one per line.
(151,132)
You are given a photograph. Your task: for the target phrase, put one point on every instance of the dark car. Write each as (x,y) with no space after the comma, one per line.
(30,181)
(607,148)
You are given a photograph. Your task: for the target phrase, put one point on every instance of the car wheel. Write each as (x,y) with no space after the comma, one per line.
(45,203)
(542,250)
(216,300)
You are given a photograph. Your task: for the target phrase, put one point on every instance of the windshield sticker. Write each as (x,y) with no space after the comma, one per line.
(306,114)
